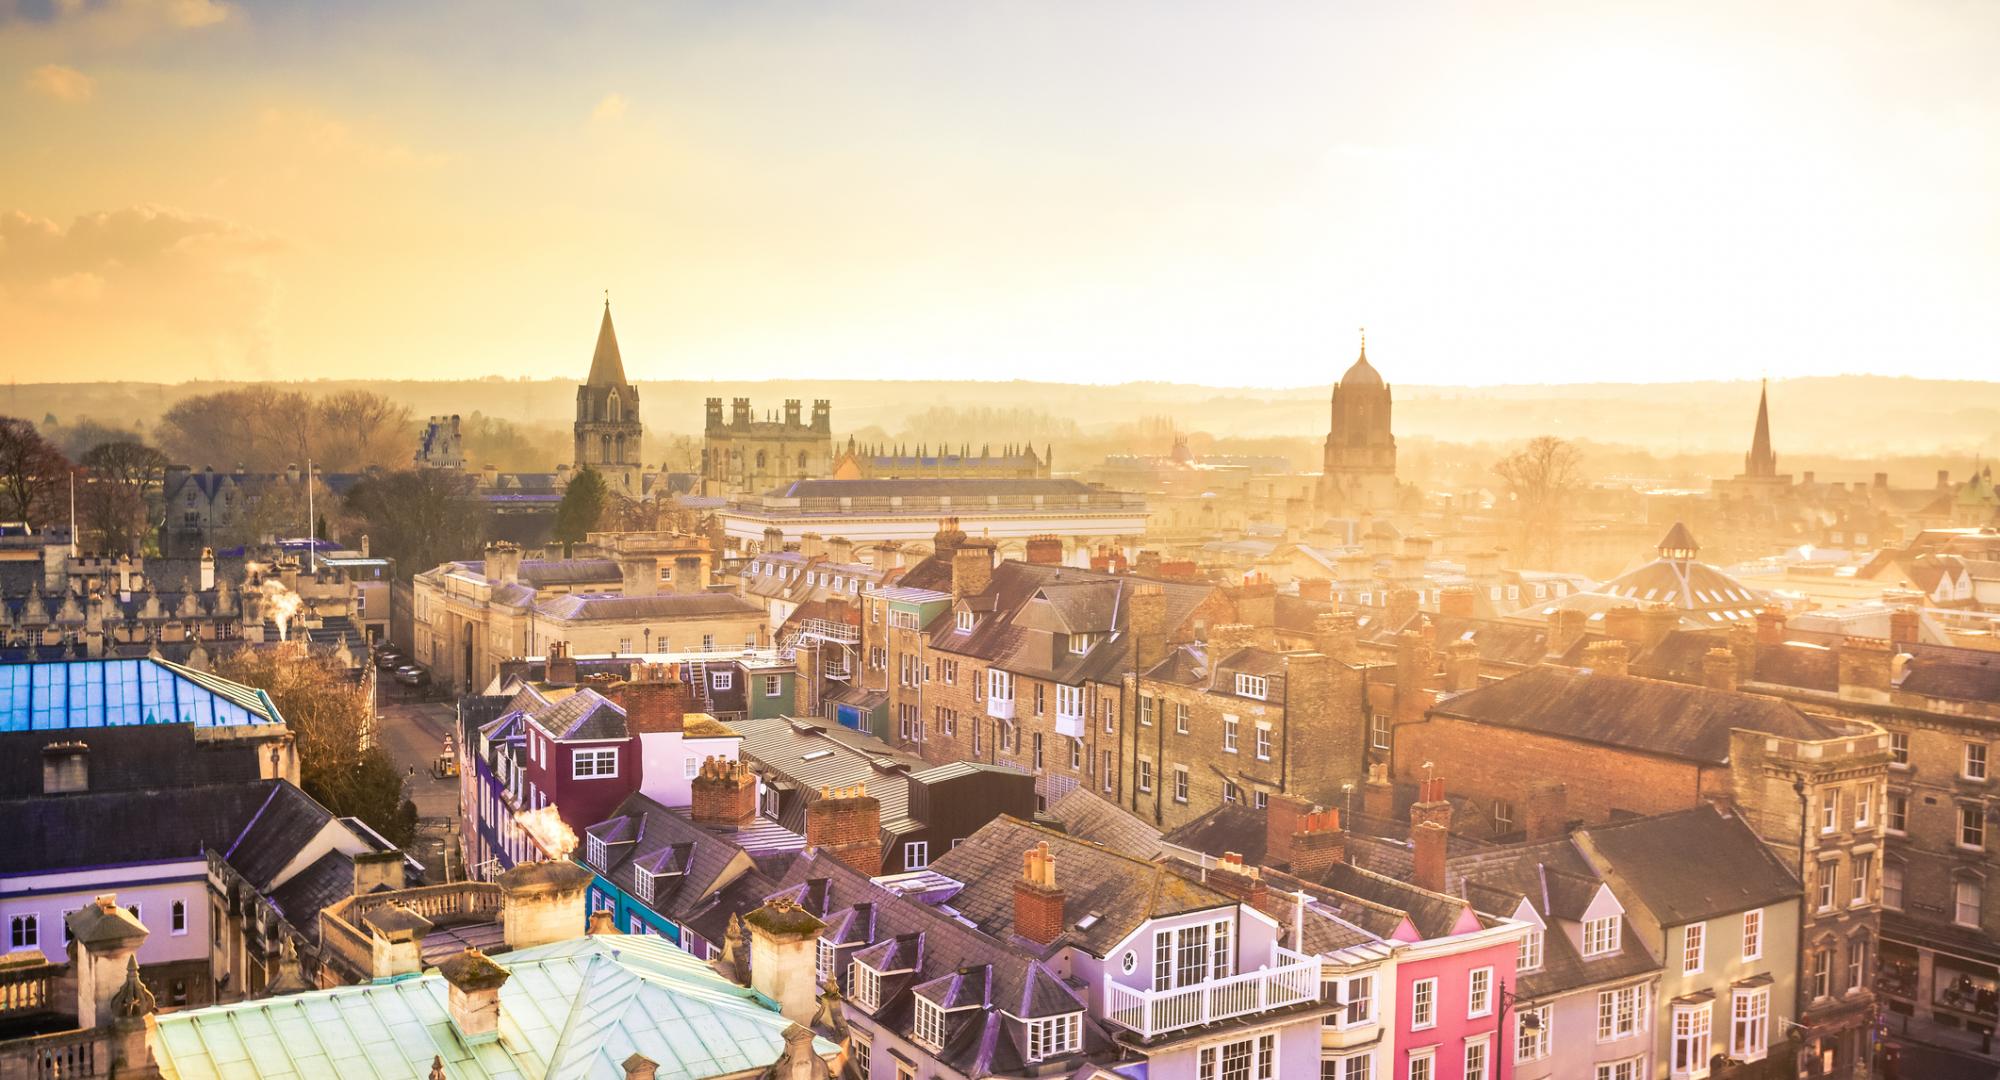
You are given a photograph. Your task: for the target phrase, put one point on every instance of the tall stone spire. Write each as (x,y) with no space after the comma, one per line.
(607,368)
(1760,461)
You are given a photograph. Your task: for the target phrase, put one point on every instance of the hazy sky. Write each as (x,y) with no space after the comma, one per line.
(1215,192)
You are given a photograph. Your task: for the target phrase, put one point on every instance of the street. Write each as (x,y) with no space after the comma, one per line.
(1922,1062)
(414,734)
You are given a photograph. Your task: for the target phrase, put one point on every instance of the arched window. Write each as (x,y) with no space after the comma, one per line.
(604,452)
(621,445)
(613,408)
(802,461)
(179,913)
(760,459)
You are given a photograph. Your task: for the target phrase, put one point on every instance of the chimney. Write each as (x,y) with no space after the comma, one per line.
(1225,640)
(539,902)
(375,870)
(1430,829)
(1606,657)
(473,998)
(640,1067)
(1718,669)
(1903,624)
(1147,564)
(1566,628)
(1624,623)
(1458,602)
(774,540)
(1231,877)
(1038,901)
(503,563)
(1546,815)
(1146,621)
(1866,666)
(107,938)
(395,940)
(653,697)
(847,824)
(364,546)
(971,569)
(1807,478)
(1317,590)
(1318,844)
(1402,608)
(1944,479)
(65,768)
(1257,603)
(1656,621)
(1335,635)
(1882,480)
(208,565)
(1281,819)
(840,549)
(639,576)
(724,793)
(1045,550)
(1770,627)
(1461,666)
(784,939)
(812,545)
(1378,795)
(1416,662)
(602,923)
(560,669)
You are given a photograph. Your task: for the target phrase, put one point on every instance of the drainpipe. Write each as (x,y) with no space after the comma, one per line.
(1799,975)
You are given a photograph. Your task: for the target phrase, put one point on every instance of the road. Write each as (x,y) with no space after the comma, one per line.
(414,735)
(1923,1062)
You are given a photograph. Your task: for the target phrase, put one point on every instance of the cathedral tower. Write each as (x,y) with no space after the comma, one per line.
(1358,472)
(607,416)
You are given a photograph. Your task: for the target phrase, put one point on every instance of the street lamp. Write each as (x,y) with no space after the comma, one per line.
(1530,1021)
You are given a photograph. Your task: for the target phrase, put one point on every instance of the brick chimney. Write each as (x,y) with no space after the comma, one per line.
(1378,795)
(724,793)
(1317,589)
(539,902)
(1430,830)
(1866,667)
(1656,621)
(561,666)
(1146,621)
(1546,814)
(653,697)
(1770,628)
(847,824)
(1416,662)
(1624,624)
(1718,669)
(1226,639)
(1402,608)
(1335,634)
(65,768)
(971,568)
(1257,602)
(1606,657)
(1461,666)
(473,999)
(1566,628)
(783,940)
(1281,819)
(374,870)
(1318,844)
(1045,549)
(1458,602)
(1903,624)
(1038,900)
(1246,883)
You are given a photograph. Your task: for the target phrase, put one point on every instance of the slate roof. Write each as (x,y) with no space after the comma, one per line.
(129,758)
(574,1009)
(971,488)
(1555,880)
(328,880)
(1025,599)
(592,607)
(694,861)
(1953,674)
(1688,722)
(1087,815)
(1654,856)
(118,827)
(1435,915)
(780,744)
(1124,890)
(585,714)
(287,822)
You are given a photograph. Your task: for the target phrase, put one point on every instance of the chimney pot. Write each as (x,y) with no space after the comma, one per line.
(474,996)
(1038,900)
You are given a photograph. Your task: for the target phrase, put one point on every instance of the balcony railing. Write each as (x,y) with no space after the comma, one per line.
(1294,981)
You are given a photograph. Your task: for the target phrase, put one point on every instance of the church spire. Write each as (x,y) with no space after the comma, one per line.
(1761,461)
(606,367)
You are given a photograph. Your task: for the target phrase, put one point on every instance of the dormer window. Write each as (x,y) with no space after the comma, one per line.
(966,620)
(1252,686)
(930,1024)
(1055,1036)
(642,885)
(722,680)
(865,984)
(594,850)
(823,961)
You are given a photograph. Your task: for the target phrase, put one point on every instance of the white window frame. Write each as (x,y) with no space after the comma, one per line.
(1974,765)
(1899,749)
(1620,1013)
(1753,934)
(1252,686)
(604,764)
(1535,1041)
(1971,822)
(1829,810)
(1960,889)
(1230,726)
(1692,1041)
(177,918)
(1694,948)
(916,854)
(1423,1004)
(929,1023)
(1263,741)
(1892,872)
(1603,936)
(1479,992)
(1528,955)
(1423,1064)
(722,680)
(864,985)
(1480,1048)
(1180,783)
(1750,1015)
(1864,806)
(1054,1036)
(1145,775)
(963,622)
(1349,991)
(1861,867)
(24,930)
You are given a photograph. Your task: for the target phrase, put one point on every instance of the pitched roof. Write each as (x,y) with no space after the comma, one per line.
(814,754)
(114,827)
(129,758)
(1030,603)
(607,368)
(288,820)
(1670,719)
(591,607)
(112,693)
(1088,816)
(1652,855)
(1554,879)
(574,1009)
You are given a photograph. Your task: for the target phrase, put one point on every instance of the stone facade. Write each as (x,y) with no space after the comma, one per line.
(1358,469)
(744,455)
(608,431)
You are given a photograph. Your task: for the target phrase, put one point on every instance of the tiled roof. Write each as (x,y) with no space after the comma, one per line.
(1554,879)
(693,860)
(1088,816)
(1653,855)
(288,821)
(573,1009)
(110,828)
(1669,719)
(1027,600)
(590,607)
(127,758)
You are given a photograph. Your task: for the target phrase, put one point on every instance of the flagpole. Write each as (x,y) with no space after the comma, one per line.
(72,513)
(312,530)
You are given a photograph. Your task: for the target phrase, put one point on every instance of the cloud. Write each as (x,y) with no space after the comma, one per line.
(108,23)
(309,134)
(609,109)
(191,14)
(59,83)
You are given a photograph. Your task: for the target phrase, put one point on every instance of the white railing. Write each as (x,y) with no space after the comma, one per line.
(1294,981)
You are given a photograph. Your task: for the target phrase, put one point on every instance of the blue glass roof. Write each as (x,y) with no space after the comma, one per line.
(57,695)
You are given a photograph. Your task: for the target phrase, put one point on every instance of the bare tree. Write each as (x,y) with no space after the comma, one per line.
(1542,478)
(419,517)
(361,428)
(33,475)
(116,497)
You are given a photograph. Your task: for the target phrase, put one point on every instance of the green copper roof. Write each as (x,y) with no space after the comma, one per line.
(571,1010)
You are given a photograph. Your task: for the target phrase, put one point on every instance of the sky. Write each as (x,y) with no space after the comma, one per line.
(1099,192)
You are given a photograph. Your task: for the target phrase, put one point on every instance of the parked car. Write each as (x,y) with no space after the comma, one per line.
(413,675)
(389,660)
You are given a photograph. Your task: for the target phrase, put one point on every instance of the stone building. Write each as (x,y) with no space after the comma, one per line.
(900,462)
(608,431)
(1358,470)
(749,456)
(440,445)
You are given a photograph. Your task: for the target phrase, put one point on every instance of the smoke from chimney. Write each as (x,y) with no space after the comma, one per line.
(549,831)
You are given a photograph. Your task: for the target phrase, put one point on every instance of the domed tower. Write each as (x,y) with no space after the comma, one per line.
(1358,472)
(607,415)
